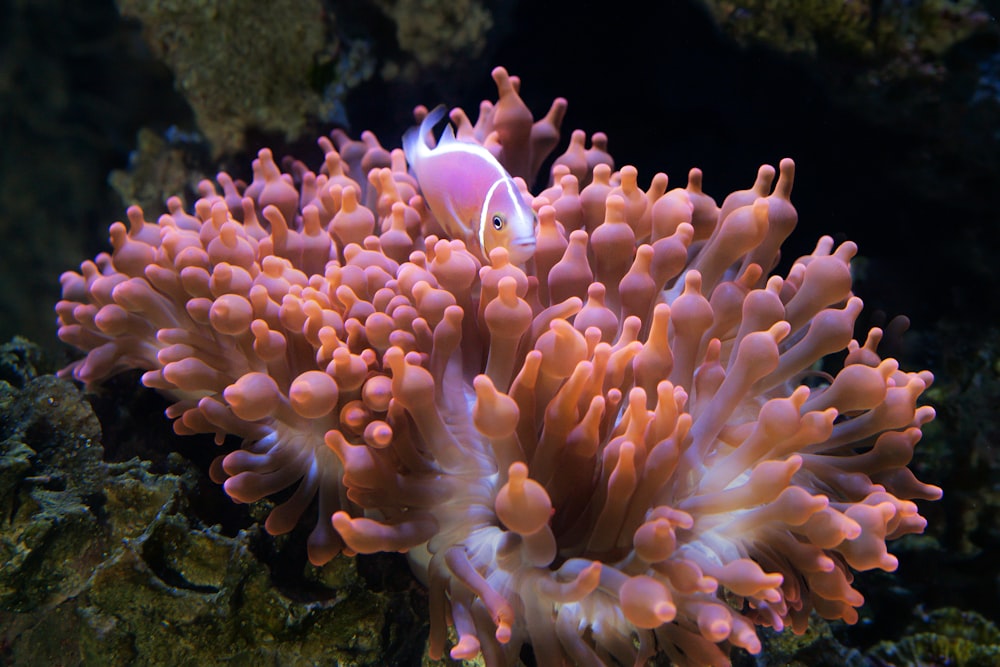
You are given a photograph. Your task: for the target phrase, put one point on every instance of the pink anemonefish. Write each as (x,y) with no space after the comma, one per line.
(470,194)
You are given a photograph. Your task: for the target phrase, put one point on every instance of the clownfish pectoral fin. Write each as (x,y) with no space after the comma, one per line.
(476,241)
(456,218)
(482,240)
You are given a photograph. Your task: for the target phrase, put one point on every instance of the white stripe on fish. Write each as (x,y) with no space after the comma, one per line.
(470,193)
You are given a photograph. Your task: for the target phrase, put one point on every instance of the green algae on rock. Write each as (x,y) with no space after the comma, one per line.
(239,65)
(110,564)
(943,638)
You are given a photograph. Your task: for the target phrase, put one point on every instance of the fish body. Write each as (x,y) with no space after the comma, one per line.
(470,193)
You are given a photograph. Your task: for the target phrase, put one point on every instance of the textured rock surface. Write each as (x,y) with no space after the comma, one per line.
(108,563)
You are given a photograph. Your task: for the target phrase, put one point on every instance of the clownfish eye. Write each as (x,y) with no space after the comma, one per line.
(497,221)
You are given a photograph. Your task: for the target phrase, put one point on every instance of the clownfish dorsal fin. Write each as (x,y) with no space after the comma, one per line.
(448,136)
(415,138)
(432,119)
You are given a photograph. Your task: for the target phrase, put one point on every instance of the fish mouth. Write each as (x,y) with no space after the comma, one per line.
(521,250)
